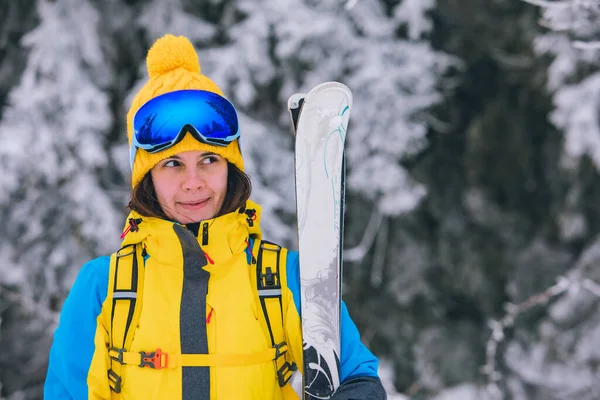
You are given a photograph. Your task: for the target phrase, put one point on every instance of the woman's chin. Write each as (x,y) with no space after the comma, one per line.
(193,217)
(189,214)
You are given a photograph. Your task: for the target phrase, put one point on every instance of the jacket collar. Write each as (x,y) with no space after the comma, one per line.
(220,238)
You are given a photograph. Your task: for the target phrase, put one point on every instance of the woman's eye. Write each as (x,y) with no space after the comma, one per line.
(209,160)
(171,163)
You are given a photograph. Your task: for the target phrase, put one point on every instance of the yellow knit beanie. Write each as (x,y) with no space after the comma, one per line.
(173,65)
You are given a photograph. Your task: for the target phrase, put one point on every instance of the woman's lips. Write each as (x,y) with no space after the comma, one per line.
(194,205)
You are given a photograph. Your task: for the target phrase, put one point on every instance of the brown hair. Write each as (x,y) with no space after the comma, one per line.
(144,201)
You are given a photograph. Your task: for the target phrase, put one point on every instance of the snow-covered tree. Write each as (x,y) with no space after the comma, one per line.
(571,38)
(55,213)
(550,355)
(393,79)
(576,18)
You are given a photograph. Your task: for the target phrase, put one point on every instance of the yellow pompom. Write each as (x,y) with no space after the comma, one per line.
(171,52)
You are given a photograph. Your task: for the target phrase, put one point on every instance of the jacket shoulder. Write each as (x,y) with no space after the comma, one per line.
(90,287)
(93,274)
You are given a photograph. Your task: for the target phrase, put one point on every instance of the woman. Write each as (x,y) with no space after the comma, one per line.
(176,313)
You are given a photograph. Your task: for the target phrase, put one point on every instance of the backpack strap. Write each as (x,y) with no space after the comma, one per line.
(126,284)
(270,265)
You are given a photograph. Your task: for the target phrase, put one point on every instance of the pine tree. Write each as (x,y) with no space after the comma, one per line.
(555,358)
(55,214)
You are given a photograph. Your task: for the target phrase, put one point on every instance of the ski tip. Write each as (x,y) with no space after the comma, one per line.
(329,87)
(295,100)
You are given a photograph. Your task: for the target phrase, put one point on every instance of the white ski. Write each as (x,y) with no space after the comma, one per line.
(322,120)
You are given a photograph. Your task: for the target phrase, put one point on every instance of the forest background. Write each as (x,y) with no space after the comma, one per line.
(472,216)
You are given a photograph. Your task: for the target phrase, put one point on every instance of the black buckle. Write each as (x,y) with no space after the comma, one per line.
(269,278)
(278,352)
(115,380)
(120,357)
(284,374)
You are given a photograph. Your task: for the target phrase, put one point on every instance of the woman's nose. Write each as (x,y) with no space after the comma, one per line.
(193,179)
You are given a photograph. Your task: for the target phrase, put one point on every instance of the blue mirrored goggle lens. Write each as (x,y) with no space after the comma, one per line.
(159,123)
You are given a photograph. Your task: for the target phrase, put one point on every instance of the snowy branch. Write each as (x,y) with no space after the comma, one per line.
(498,327)
(548,4)
(350,4)
(579,44)
(555,26)
(577,18)
(592,287)
(357,253)
(426,375)
(31,306)
(516,61)
(438,125)
(381,246)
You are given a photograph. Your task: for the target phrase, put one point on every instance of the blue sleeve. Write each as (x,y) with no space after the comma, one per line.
(355,359)
(73,346)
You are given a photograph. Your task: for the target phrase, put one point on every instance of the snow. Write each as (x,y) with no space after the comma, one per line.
(576,97)
(576,113)
(160,16)
(462,392)
(385,373)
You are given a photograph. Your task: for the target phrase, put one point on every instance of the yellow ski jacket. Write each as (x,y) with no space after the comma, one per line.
(184,313)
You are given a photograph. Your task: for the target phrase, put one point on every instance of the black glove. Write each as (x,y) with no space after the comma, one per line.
(360,388)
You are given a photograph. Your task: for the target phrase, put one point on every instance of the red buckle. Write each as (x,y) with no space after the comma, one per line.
(154,359)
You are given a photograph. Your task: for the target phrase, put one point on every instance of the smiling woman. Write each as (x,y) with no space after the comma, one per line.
(204,331)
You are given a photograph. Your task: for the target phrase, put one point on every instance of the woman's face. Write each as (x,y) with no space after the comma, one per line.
(191,186)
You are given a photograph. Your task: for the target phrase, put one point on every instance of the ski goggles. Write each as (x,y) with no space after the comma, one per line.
(164,121)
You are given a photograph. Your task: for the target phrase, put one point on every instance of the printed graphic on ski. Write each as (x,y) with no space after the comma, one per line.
(322,119)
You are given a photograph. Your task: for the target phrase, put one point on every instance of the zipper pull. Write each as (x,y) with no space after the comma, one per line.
(210,260)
